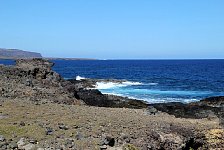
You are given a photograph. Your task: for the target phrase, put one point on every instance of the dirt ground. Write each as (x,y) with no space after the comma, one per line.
(84,127)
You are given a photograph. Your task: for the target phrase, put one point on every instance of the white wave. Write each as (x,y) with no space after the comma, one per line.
(111,85)
(152,84)
(116,94)
(150,100)
(79,78)
(108,85)
(131,83)
(167,100)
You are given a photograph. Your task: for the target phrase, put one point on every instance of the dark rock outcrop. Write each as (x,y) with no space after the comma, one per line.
(34,80)
(212,101)
(206,108)
(94,97)
(17,54)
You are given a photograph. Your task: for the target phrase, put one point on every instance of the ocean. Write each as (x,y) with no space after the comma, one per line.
(150,80)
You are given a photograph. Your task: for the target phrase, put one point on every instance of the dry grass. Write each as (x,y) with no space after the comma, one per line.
(215,136)
(90,122)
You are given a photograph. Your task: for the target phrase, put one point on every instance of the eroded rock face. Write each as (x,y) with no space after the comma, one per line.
(34,63)
(34,80)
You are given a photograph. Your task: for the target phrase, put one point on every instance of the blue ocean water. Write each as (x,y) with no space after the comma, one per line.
(151,80)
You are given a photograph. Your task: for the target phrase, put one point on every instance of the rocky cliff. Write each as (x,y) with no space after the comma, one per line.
(17,54)
(34,80)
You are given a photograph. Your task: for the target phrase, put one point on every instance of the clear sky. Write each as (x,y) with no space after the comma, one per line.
(114,29)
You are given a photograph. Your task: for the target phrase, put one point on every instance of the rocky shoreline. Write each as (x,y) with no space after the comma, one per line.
(42,110)
(209,107)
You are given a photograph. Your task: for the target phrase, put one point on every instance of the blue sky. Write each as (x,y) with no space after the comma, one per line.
(115,29)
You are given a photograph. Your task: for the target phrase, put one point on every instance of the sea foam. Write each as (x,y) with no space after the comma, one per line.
(112,85)
(79,78)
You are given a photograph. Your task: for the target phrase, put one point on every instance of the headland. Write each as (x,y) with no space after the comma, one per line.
(42,110)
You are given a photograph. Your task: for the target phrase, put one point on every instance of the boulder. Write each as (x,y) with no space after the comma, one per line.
(2,138)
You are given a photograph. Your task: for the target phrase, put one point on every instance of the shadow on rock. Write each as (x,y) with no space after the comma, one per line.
(206,108)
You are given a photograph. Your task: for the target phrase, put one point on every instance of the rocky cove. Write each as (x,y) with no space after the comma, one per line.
(41,110)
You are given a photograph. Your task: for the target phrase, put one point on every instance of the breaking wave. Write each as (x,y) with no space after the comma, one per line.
(112,85)
(79,78)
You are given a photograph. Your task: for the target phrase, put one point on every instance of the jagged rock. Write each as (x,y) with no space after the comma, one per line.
(31,64)
(33,79)
(94,97)
(206,108)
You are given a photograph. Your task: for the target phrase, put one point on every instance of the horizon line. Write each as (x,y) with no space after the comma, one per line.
(88,58)
(163,59)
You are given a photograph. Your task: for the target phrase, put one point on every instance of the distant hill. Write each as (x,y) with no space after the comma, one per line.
(17,54)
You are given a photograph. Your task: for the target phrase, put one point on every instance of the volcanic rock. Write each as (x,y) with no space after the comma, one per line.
(33,79)
(206,108)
